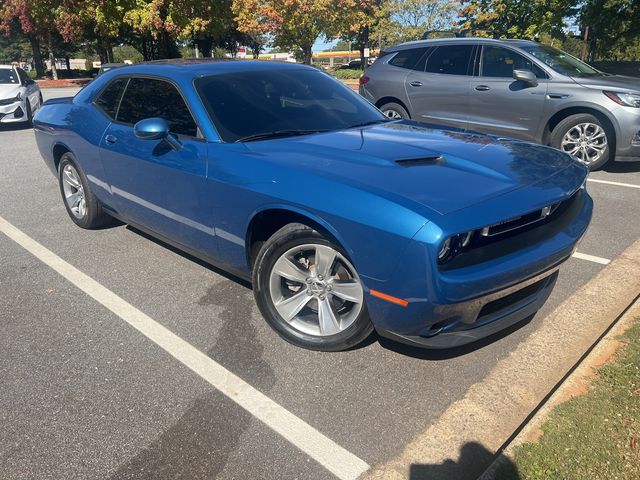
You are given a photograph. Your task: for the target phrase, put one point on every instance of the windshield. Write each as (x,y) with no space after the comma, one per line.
(8,75)
(560,61)
(248,104)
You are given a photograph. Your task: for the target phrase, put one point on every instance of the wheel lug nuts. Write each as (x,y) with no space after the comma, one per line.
(321,297)
(320,277)
(309,292)
(329,287)
(308,280)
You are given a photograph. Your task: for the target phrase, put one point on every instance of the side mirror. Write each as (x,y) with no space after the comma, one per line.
(156,129)
(526,76)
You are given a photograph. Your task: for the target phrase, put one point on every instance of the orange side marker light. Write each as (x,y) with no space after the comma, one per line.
(389,298)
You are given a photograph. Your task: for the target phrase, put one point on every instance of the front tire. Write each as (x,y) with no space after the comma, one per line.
(585,137)
(309,292)
(82,205)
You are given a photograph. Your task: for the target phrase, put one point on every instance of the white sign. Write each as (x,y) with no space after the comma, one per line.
(366,53)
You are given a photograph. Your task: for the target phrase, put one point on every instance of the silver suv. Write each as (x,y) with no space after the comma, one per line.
(514,88)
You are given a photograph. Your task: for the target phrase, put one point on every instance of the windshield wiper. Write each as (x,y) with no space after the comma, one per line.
(277,134)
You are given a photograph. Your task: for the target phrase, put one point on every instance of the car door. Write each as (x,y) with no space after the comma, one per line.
(154,185)
(439,93)
(501,105)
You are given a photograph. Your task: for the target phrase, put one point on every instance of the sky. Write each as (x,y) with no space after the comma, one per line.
(323,44)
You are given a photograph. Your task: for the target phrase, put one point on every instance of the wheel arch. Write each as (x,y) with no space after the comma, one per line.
(59,149)
(557,117)
(384,100)
(268,220)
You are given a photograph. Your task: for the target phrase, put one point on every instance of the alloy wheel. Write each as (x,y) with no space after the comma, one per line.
(587,141)
(392,114)
(316,290)
(73,191)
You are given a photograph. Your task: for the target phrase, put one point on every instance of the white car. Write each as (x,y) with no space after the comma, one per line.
(19,95)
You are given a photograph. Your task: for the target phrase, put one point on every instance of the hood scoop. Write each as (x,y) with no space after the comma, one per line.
(421,161)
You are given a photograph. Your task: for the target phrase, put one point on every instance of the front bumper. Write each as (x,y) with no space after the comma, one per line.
(494,313)
(628,132)
(455,307)
(14,112)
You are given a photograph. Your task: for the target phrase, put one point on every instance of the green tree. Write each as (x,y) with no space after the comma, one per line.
(614,28)
(516,18)
(36,20)
(294,24)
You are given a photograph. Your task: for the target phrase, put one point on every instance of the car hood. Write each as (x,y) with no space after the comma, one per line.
(442,169)
(610,82)
(9,90)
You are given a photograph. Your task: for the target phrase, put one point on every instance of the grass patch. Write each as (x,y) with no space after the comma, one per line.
(347,74)
(594,436)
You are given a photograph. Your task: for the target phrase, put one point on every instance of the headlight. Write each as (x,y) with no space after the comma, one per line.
(9,101)
(453,245)
(444,250)
(624,99)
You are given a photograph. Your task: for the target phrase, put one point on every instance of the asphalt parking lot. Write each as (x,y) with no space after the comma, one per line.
(85,395)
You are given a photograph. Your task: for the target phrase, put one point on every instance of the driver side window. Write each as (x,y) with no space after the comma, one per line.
(150,97)
(499,62)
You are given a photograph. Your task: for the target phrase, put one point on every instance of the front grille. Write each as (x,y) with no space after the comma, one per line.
(519,222)
(518,233)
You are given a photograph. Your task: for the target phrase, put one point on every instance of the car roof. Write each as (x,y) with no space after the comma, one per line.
(516,42)
(199,67)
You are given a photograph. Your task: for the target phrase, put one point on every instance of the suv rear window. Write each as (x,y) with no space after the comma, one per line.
(450,60)
(409,58)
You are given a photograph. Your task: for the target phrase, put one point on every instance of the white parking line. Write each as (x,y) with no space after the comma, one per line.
(591,258)
(323,450)
(607,182)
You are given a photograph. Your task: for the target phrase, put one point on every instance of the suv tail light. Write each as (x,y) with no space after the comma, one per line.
(362,80)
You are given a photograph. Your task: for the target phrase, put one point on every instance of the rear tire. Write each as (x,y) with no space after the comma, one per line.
(309,292)
(394,111)
(584,136)
(82,205)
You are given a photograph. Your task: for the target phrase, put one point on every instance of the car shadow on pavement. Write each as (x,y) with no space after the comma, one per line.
(192,258)
(13,127)
(446,354)
(622,167)
(474,460)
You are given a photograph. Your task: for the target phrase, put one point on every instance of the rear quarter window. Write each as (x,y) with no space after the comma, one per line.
(109,99)
(411,58)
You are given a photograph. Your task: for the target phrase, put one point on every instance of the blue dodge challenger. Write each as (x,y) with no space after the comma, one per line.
(344,221)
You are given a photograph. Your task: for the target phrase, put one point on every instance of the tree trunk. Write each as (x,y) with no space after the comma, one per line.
(37,56)
(52,59)
(307,54)
(67,60)
(205,45)
(363,41)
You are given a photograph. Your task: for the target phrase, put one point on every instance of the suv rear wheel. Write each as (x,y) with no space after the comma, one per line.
(585,137)
(394,111)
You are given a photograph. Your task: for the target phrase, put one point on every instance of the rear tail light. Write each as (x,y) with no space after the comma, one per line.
(362,80)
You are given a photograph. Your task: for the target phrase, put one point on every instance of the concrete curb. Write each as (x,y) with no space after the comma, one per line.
(493,409)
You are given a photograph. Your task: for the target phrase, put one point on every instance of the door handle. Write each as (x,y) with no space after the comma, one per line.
(483,88)
(110,139)
(416,83)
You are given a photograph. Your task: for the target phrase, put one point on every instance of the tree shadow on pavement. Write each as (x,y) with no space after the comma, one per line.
(474,460)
